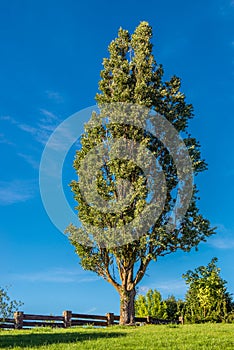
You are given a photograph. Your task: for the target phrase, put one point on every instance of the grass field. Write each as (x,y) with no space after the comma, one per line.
(207,336)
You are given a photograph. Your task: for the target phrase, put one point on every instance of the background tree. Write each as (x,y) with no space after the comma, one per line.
(151,304)
(131,75)
(207,298)
(7,306)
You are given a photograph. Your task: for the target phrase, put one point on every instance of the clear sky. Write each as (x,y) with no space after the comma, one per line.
(51,55)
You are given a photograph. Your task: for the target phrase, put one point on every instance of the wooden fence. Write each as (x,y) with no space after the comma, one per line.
(70,319)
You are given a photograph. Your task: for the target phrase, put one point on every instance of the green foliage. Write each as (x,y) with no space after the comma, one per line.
(230,317)
(207,298)
(151,305)
(132,75)
(7,306)
(174,307)
(186,337)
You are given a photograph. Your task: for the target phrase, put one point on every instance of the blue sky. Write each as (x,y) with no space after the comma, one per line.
(51,55)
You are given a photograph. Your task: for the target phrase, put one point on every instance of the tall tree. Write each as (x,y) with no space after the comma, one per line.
(207,298)
(132,76)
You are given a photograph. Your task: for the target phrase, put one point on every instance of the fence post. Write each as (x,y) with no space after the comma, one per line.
(110,318)
(149,319)
(19,318)
(67,319)
(181,320)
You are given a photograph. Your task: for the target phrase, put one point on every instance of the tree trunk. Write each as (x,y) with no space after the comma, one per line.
(127,308)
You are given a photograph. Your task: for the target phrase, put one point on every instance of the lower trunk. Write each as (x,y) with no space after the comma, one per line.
(127,308)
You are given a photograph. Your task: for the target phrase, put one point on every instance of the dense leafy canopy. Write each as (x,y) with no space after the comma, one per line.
(132,75)
(7,306)
(207,298)
(153,305)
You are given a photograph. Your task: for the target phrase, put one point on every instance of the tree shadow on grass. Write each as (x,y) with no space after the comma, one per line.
(38,339)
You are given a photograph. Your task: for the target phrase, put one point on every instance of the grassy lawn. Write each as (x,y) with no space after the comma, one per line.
(208,336)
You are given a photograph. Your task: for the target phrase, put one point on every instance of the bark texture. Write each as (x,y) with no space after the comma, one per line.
(127,310)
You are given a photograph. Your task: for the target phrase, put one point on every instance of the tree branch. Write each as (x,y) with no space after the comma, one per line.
(109,278)
(141,271)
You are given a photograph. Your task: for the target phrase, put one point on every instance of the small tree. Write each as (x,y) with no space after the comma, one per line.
(131,75)
(151,305)
(7,306)
(207,298)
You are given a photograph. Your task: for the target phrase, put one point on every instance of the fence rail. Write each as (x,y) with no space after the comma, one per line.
(70,319)
(7,323)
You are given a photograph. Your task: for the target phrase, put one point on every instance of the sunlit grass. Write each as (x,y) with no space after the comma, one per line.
(207,336)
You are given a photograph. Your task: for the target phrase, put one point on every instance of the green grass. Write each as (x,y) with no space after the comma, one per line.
(207,336)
